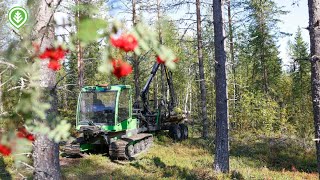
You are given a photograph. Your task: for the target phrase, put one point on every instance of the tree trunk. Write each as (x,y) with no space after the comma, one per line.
(162,78)
(46,152)
(79,54)
(80,65)
(221,161)
(232,61)
(136,62)
(1,100)
(201,74)
(314,31)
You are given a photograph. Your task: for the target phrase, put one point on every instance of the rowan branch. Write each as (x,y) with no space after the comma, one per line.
(31,167)
(8,64)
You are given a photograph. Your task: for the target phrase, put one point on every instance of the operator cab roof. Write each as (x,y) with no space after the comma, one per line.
(104,88)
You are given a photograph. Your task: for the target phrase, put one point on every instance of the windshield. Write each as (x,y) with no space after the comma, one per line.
(98,107)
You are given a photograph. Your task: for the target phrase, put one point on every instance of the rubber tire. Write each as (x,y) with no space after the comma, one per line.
(175,132)
(184,131)
(136,148)
(130,151)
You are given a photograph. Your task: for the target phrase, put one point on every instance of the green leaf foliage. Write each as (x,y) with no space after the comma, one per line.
(90,30)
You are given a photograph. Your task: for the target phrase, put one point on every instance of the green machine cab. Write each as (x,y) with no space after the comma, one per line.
(108,121)
(108,107)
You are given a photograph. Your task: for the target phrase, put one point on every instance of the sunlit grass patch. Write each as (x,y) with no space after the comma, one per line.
(190,159)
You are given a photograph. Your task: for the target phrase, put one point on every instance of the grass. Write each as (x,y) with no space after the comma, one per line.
(251,158)
(192,159)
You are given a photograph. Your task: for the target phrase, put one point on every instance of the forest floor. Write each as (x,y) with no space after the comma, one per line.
(262,158)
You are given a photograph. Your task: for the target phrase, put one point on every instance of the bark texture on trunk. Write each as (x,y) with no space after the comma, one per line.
(314,31)
(221,161)
(46,152)
(1,100)
(46,159)
(201,74)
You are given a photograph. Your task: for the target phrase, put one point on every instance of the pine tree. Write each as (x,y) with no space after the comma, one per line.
(46,151)
(314,16)
(221,161)
(201,74)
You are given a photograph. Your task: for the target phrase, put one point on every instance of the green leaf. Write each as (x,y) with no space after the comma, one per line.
(137,51)
(89,29)
(61,132)
(106,65)
(23,146)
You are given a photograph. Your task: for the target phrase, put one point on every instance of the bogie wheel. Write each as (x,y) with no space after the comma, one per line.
(145,142)
(130,151)
(184,131)
(149,141)
(136,148)
(142,145)
(175,132)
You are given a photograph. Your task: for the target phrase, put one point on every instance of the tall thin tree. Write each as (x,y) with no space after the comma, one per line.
(201,75)
(136,63)
(314,31)
(79,51)
(232,58)
(221,161)
(46,151)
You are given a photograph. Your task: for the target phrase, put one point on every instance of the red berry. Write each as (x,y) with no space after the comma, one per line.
(23,133)
(159,60)
(126,42)
(54,65)
(120,68)
(4,150)
(54,55)
(30,137)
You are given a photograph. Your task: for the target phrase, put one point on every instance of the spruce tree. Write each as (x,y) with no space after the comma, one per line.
(266,65)
(301,104)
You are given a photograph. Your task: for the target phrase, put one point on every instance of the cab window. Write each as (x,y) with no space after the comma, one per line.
(123,111)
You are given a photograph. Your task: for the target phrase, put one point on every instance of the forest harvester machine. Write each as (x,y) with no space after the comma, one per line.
(108,121)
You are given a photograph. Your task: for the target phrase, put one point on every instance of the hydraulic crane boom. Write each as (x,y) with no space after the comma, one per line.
(173,103)
(145,90)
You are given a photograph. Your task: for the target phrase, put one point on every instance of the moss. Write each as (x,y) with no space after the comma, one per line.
(250,158)
(191,159)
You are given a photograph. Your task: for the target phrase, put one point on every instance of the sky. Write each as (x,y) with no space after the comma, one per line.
(298,16)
